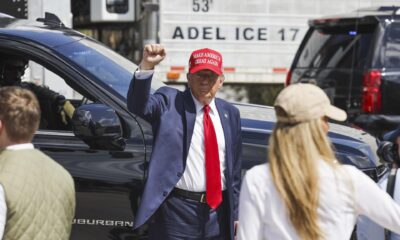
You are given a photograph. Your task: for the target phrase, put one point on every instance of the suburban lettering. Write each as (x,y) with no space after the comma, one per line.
(81,221)
(109,223)
(90,221)
(102,222)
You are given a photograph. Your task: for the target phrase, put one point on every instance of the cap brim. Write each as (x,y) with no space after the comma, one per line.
(335,113)
(207,67)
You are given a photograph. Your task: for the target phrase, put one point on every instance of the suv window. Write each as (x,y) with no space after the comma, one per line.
(392,53)
(57,99)
(336,47)
(113,70)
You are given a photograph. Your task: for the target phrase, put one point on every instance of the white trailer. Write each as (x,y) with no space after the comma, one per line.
(257,38)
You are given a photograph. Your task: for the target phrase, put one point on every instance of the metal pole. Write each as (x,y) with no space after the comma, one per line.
(150,22)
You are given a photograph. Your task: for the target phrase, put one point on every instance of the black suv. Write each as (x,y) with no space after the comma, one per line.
(355,58)
(106,148)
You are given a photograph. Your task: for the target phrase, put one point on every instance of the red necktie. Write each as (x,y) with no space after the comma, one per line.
(213,173)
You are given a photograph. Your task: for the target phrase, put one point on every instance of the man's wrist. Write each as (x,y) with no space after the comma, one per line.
(145,67)
(143,74)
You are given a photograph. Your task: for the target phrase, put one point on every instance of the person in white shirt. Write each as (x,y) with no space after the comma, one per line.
(303,192)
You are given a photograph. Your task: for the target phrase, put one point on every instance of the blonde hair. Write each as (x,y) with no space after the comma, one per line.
(293,156)
(19,112)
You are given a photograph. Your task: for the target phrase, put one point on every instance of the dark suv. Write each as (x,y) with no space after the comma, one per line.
(105,147)
(355,58)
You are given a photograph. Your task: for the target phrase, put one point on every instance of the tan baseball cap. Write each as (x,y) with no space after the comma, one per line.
(304,102)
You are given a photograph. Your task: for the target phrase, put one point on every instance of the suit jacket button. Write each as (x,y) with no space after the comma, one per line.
(179,174)
(165,193)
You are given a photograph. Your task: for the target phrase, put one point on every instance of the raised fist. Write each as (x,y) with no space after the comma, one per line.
(153,54)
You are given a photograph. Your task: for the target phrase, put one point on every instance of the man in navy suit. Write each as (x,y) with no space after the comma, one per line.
(194,175)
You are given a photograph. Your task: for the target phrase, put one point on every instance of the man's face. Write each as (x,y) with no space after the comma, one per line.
(204,84)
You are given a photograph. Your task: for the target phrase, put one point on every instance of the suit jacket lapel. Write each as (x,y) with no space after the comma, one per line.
(224,116)
(190,115)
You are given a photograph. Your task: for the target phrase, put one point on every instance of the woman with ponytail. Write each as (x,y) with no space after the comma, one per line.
(303,192)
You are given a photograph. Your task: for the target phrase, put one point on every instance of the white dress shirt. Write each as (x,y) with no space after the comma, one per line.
(3,205)
(194,176)
(368,229)
(345,193)
(143,74)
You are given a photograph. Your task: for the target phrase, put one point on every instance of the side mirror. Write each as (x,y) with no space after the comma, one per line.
(98,126)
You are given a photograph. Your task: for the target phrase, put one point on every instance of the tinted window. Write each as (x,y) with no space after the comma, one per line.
(392,59)
(336,48)
(110,68)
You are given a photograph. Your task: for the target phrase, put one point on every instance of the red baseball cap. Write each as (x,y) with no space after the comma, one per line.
(205,58)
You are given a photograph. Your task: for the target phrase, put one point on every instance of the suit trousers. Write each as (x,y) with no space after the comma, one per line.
(180,218)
